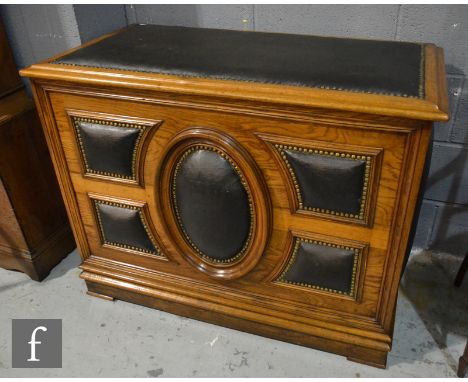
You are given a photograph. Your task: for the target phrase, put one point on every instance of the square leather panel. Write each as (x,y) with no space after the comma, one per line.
(327,182)
(108,149)
(381,67)
(321,267)
(122,226)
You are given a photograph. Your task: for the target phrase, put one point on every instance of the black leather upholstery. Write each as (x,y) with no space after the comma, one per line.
(368,66)
(322,266)
(123,226)
(108,149)
(328,182)
(213,205)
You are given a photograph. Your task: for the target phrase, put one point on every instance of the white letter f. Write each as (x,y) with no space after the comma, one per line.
(33,342)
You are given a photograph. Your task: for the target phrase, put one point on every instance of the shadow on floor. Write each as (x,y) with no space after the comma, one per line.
(443,308)
(5,287)
(69,263)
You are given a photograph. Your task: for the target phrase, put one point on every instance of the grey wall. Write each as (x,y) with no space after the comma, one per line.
(37,32)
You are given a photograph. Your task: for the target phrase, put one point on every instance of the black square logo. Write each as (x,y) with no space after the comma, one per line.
(36,343)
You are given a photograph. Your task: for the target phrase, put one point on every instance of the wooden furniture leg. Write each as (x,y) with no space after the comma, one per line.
(462,271)
(463,361)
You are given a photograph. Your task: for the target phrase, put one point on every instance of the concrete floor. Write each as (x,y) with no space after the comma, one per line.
(110,339)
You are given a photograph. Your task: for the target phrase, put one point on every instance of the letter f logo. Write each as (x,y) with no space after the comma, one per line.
(33,342)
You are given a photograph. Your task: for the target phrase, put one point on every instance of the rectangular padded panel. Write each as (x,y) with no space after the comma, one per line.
(108,149)
(124,226)
(321,266)
(328,182)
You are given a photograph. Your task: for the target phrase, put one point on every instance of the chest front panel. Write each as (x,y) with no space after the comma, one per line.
(297,214)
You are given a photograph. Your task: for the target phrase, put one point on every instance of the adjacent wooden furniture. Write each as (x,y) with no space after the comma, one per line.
(462,271)
(463,361)
(34,231)
(10,80)
(265,182)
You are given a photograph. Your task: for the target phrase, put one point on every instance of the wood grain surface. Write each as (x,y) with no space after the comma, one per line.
(243,120)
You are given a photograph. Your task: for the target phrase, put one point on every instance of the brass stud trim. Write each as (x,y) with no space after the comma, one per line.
(96,202)
(297,243)
(244,184)
(352,156)
(316,86)
(88,170)
(422,72)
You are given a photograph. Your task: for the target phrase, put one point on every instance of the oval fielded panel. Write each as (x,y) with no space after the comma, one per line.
(212,204)
(220,209)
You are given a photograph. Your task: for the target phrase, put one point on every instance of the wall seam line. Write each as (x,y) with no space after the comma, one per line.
(253,17)
(454,116)
(397,24)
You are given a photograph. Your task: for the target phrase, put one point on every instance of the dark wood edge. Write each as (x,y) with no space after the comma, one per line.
(12,90)
(38,263)
(18,104)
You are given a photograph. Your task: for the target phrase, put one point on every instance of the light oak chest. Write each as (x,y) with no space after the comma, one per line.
(265,182)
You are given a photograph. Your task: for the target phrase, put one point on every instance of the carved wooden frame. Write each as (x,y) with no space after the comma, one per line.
(371,155)
(142,208)
(147,128)
(247,189)
(254,183)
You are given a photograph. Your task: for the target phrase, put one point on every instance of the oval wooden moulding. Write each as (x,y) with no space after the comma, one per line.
(220,208)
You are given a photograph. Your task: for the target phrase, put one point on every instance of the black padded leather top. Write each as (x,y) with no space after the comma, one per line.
(381,67)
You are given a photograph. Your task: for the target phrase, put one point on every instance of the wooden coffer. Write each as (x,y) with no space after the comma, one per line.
(265,182)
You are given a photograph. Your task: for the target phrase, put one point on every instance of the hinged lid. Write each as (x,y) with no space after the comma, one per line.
(382,77)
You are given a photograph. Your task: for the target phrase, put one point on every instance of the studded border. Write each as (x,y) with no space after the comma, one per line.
(297,242)
(246,187)
(421,85)
(157,251)
(89,170)
(364,195)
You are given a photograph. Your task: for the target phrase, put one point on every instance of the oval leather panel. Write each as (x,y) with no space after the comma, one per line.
(212,205)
